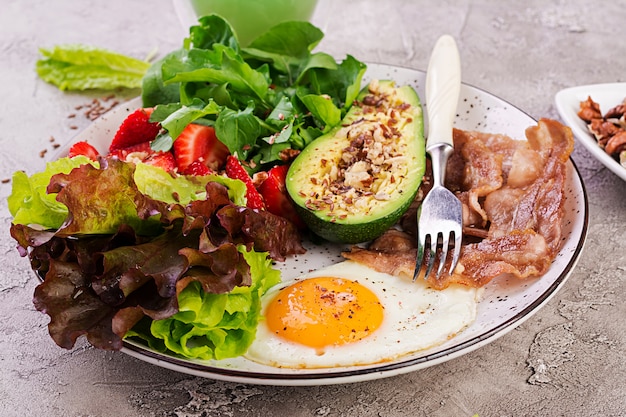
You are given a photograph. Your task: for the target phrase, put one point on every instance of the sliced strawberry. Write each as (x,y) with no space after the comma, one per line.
(134,130)
(197,168)
(236,171)
(85,149)
(199,143)
(276,198)
(163,160)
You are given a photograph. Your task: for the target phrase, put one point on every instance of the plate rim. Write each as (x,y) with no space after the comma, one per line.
(567,102)
(376,371)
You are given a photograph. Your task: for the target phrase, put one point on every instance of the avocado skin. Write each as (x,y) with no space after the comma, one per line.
(357,229)
(351,233)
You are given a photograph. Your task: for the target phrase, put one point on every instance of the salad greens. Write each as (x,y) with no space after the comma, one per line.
(29,202)
(33,200)
(130,251)
(121,257)
(216,326)
(273,96)
(82,67)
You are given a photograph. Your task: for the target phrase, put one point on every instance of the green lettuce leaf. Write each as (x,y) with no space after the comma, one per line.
(32,202)
(82,67)
(217,326)
(160,185)
(121,257)
(99,200)
(29,203)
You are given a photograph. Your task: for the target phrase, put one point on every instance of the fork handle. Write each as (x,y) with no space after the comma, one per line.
(439,154)
(443,86)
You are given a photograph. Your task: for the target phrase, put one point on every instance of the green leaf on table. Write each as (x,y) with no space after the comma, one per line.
(82,67)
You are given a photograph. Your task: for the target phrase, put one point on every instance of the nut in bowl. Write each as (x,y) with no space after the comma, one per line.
(606,96)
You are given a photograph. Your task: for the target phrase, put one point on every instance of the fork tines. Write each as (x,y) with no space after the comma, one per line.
(431,250)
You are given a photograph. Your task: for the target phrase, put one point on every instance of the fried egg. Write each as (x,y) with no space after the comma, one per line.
(348,314)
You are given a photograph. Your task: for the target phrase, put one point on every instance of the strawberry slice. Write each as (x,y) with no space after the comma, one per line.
(163,160)
(85,149)
(236,171)
(197,168)
(276,198)
(199,143)
(135,130)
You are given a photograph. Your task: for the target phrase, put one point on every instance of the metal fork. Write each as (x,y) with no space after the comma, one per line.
(440,215)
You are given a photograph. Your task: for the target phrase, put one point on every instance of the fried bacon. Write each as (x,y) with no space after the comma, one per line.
(512,193)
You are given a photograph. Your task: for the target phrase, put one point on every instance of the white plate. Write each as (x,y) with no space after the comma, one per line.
(506,303)
(607,96)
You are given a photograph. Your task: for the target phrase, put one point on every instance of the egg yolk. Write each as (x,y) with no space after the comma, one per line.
(324,311)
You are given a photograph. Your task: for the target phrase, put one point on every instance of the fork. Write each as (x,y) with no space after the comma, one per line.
(440,214)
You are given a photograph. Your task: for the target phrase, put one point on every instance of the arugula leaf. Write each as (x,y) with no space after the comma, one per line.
(287,46)
(153,89)
(342,84)
(176,117)
(82,67)
(324,109)
(212,30)
(318,60)
(269,153)
(273,96)
(238,130)
(219,65)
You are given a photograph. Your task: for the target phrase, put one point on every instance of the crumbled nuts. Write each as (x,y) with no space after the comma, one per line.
(609,129)
(372,163)
(259,177)
(288,154)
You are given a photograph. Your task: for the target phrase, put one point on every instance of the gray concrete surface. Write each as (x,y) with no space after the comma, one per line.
(567,360)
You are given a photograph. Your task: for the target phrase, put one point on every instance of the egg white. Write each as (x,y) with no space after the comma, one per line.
(416,317)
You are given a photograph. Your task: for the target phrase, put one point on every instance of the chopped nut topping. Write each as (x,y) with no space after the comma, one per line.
(369,169)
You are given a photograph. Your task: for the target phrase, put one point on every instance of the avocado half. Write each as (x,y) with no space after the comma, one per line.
(353,183)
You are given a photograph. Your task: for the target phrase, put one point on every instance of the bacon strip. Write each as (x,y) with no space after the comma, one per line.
(513,193)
